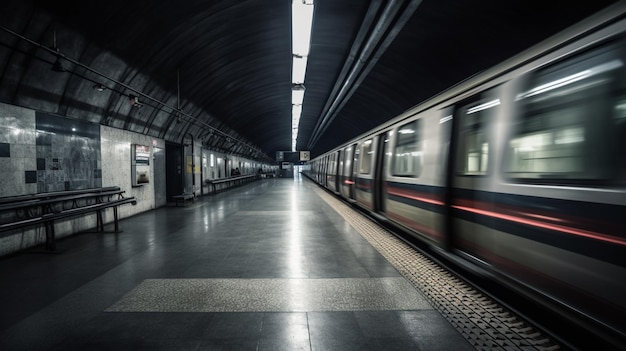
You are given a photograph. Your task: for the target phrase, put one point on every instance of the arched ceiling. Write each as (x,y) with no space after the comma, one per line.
(227,63)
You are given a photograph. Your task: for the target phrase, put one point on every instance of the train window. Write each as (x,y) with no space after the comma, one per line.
(475,118)
(407,155)
(572,121)
(367,153)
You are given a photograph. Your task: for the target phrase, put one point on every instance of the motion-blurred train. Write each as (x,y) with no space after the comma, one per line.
(519,170)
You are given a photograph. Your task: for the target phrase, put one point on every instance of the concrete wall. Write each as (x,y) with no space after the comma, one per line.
(116,170)
(24,168)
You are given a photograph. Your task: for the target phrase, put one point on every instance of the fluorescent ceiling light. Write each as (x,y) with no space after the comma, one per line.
(301,24)
(299,69)
(297,96)
(296,110)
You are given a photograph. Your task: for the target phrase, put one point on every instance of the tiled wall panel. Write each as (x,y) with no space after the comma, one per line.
(68,154)
(17,150)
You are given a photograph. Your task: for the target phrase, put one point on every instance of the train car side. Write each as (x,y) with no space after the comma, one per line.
(521,171)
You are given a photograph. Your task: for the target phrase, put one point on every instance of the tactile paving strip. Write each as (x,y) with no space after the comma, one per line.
(483,322)
(271,295)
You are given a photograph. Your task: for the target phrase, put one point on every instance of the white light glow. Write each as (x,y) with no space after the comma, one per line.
(297,97)
(605,67)
(296,109)
(301,26)
(406,131)
(569,136)
(445,119)
(299,69)
(484,106)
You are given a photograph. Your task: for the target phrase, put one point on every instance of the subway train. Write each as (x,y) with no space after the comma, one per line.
(518,171)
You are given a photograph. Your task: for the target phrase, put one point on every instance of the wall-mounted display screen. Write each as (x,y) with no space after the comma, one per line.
(140,164)
(142,154)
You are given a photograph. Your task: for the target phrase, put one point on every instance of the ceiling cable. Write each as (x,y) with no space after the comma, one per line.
(55,51)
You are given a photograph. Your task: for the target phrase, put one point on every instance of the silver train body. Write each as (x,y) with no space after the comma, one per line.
(520,170)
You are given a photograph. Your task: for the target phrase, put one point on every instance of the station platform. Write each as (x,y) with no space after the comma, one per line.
(278,264)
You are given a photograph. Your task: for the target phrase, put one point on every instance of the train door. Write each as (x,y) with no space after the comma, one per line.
(340,176)
(470,174)
(323,170)
(347,172)
(414,190)
(332,172)
(320,170)
(330,182)
(320,161)
(316,170)
(315,167)
(379,171)
(364,189)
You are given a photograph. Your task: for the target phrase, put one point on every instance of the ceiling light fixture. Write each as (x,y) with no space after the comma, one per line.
(99,87)
(301,26)
(134,101)
(297,94)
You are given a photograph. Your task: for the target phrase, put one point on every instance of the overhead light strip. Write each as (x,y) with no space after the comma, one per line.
(301,25)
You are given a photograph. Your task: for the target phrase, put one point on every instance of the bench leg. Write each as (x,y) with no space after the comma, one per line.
(117,227)
(50,237)
(99,221)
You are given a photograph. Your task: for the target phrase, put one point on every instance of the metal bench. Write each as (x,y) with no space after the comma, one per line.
(45,208)
(230,182)
(183,198)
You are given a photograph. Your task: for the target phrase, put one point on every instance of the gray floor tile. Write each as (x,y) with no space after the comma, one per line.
(380,324)
(426,323)
(232,344)
(333,327)
(284,345)
(234,326)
